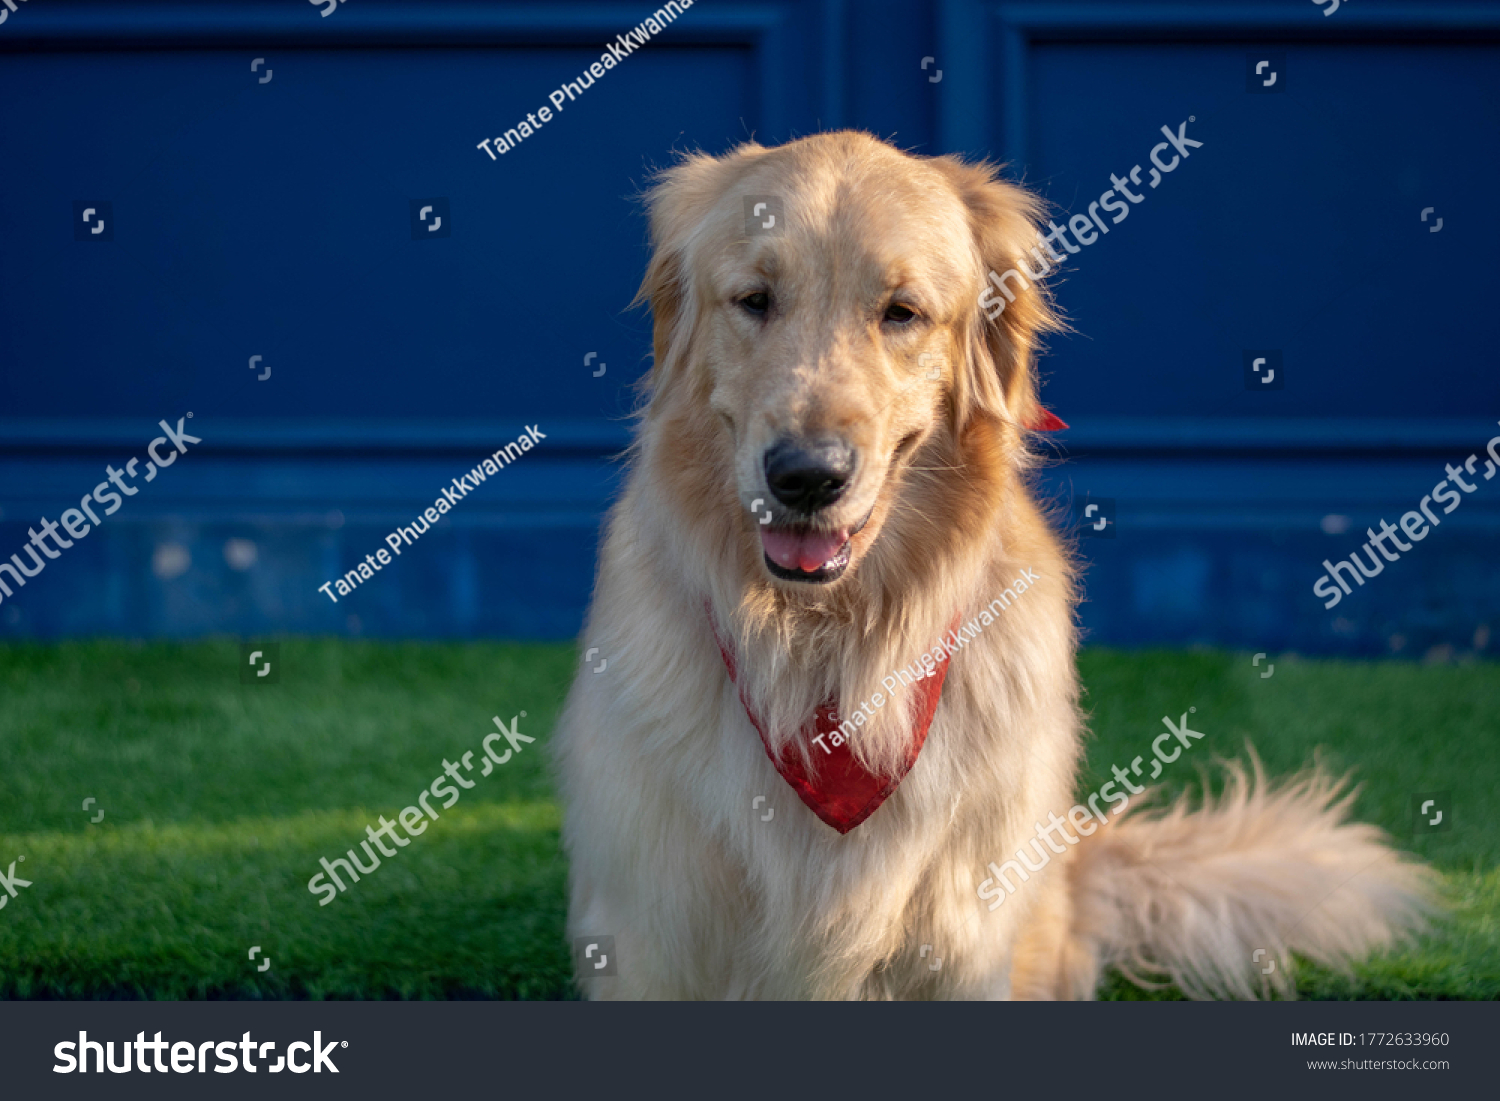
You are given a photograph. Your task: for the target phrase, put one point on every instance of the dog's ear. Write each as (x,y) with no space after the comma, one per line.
(679,201)
(999,375)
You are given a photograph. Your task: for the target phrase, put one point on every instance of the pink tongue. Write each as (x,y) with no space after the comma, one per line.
(802,551)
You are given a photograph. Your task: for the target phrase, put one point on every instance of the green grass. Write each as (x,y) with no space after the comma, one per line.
(220,798)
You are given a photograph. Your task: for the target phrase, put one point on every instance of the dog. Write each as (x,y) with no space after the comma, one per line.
(830,476)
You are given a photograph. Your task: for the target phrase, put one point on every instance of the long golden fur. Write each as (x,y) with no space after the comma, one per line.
(671,852)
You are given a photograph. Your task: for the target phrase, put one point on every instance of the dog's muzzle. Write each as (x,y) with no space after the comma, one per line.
(807,477)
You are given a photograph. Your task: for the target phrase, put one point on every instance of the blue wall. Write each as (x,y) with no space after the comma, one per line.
(274,219)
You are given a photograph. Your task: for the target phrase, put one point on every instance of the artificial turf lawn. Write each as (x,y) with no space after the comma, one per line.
(220,798)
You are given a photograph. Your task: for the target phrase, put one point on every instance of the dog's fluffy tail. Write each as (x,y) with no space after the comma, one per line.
(1217,899)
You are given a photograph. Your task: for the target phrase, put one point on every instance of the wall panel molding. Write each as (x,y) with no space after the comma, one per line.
(995,61)
(602,439)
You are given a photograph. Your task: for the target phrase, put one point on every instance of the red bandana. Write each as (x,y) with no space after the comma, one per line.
(1046,421)
(844,792)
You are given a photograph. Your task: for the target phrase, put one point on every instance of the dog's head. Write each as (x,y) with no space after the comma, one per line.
(820,345)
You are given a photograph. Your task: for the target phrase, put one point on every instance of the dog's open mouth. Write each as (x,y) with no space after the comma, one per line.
(799,553)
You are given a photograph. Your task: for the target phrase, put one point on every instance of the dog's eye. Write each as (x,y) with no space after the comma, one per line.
(757,303)
(899,314)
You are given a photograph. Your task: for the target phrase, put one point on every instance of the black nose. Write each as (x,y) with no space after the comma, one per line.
(808,476)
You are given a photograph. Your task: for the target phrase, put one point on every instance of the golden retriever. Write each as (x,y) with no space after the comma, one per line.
(831,476)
